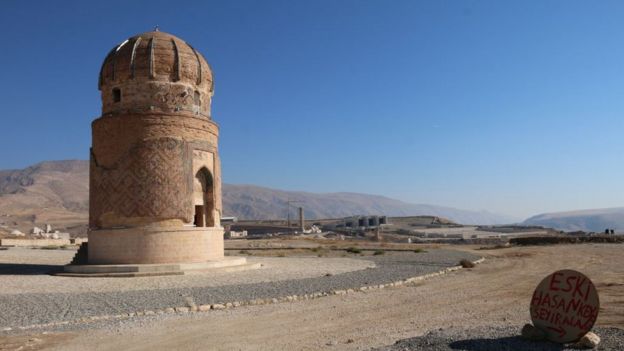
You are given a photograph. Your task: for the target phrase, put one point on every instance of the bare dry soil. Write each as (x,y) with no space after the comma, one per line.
(493,294)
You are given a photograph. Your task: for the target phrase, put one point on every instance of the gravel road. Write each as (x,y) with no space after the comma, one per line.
(495,339)
(22,309)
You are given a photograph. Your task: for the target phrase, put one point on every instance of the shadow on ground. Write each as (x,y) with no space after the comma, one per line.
(510,343)
(29,269)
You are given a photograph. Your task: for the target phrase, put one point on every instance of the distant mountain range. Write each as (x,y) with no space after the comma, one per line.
(57,192)
(254,202)
(596,220)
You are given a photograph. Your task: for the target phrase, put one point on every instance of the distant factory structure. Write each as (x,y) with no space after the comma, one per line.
(357,223)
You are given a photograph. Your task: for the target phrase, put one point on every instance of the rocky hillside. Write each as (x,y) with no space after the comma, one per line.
(54,192)
(254,202)
(596,220)
(57,192)
(58,183)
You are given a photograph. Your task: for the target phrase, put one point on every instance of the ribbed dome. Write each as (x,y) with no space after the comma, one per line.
(155,56)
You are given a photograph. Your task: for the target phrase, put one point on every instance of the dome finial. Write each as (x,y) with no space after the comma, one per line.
(156,29)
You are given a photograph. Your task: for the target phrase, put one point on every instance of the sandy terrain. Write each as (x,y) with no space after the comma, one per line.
(494,293)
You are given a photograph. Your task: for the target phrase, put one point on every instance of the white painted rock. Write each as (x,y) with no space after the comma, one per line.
(588,341)
(565,305)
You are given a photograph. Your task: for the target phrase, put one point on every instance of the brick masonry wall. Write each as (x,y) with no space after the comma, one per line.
(154,134)
(142,168)
(157,71)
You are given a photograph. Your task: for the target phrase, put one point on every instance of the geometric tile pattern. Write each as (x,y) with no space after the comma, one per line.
(152,179)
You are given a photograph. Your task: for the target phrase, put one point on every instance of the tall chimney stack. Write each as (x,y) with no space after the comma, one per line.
(301,221)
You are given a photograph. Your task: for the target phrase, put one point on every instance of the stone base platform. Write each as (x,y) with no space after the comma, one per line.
(227,264)
(155,244)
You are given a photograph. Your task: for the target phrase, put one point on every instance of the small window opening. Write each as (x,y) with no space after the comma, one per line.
(116,95)
(197,98)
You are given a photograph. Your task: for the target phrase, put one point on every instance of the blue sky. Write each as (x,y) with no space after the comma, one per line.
(511,107)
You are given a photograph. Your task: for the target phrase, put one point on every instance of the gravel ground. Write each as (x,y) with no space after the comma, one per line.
(37,308)
(496,339)
(25,271)
(495,293)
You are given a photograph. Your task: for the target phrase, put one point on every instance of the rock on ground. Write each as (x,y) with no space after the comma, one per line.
(531,333)
(497,339)
(588,341)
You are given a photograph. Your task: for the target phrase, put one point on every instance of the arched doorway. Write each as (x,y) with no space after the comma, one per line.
(203,197)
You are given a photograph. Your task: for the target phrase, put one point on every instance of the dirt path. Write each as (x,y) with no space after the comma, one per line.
(497,292)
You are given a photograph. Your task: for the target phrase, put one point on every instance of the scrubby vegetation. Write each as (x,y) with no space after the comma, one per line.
(353,250)
(466,263)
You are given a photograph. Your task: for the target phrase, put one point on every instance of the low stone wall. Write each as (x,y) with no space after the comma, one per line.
(34,242)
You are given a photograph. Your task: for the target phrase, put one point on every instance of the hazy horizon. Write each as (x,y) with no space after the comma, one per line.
(512,108)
